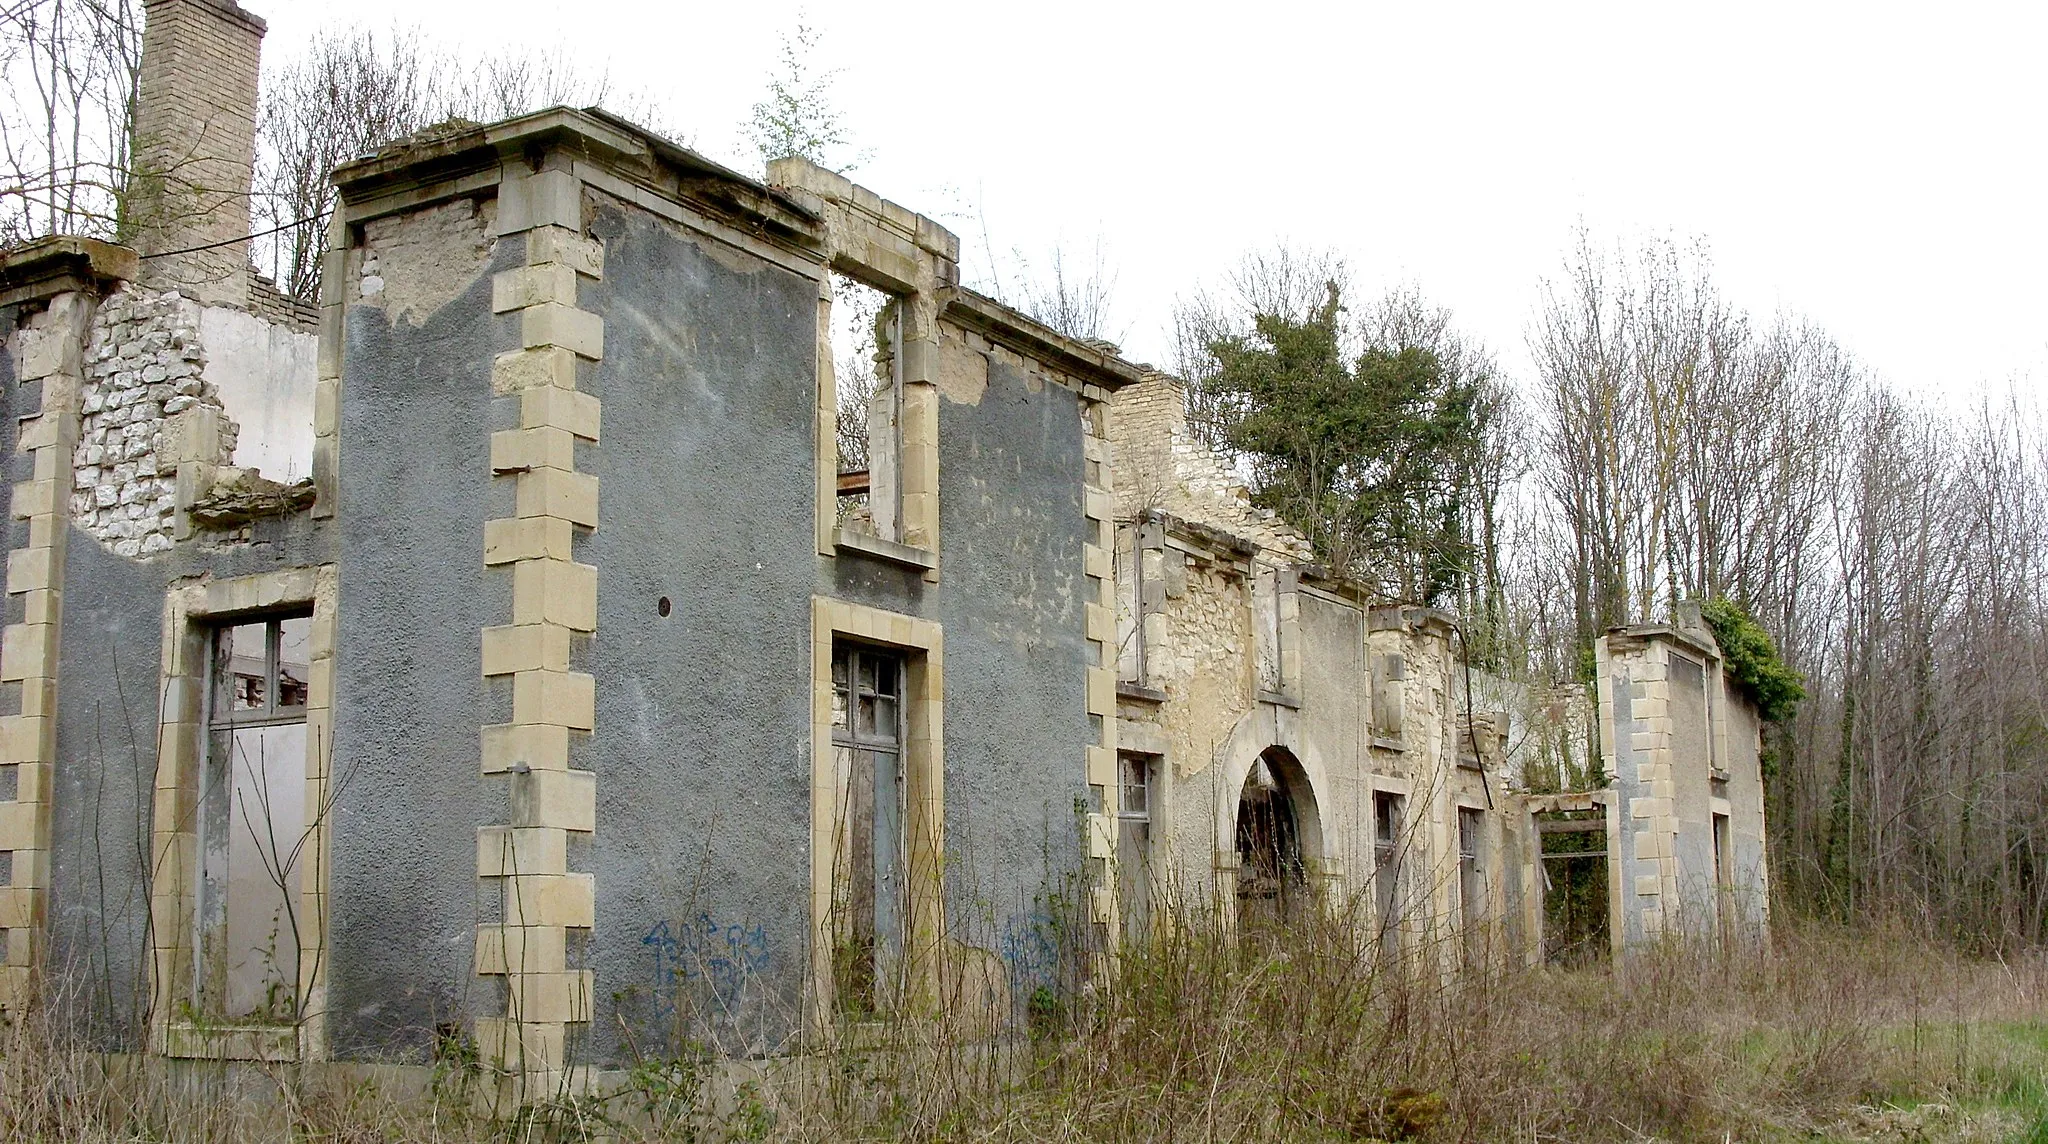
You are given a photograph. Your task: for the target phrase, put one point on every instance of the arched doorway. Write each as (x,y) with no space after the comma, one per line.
(1277,831)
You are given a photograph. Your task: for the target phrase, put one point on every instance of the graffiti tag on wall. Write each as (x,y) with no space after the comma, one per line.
(721,956)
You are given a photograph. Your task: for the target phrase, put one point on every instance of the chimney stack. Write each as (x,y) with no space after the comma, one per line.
(195,146)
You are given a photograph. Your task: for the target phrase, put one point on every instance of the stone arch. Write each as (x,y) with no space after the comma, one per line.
(1267,750)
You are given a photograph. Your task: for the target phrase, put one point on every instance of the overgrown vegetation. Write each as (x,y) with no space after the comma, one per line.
(1752,660)
(1372,436)
(1829,1035)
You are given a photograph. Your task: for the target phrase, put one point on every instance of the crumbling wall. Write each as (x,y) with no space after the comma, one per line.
(1161,464)
(145,365)
(1204,665)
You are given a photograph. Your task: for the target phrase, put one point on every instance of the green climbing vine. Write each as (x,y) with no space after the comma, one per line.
(1752,660)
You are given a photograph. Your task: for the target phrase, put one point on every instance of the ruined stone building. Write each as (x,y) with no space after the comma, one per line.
(505,652)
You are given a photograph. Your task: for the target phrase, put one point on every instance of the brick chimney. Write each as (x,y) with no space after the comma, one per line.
(195,146)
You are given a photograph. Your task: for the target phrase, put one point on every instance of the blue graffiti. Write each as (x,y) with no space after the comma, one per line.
(721,956)
(1028,948)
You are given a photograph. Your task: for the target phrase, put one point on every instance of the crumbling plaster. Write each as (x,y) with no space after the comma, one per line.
(262,372)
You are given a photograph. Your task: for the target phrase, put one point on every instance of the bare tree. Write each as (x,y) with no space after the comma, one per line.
(353,92)
(68,116)
(349,94)
(1072,293)
(1897,553)
(798,116)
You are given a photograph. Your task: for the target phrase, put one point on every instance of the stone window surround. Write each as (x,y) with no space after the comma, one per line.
(1410,831)
(192,612)
(872,250)
(921,642)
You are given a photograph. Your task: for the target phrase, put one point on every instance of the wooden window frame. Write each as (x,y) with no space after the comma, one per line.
(920,643)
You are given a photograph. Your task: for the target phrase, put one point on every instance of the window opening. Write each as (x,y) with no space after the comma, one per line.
(1386,862)
(1724,864)
(867,737)
(867,372)
(1575,874)
(253,821)
(1721,858)
(1471,884)
(1134,841)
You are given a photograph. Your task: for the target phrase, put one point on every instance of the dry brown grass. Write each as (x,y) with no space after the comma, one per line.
(1828,1034)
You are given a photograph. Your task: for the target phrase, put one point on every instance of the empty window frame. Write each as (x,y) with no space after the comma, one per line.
(1723,861)
(253,822)
(1136,800)
(1471,883)
(1386,862)
(868,376)
(868,897)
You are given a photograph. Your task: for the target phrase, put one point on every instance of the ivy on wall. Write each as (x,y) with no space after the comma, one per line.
(1751,659)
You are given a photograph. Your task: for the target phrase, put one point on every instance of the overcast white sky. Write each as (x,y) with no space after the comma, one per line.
(1877,168)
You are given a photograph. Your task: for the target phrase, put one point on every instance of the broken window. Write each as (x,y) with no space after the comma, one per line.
(253,821)
(866,329)
(1722,861)
(1134,841)
(1386,862)
(867,738)
(1471,884)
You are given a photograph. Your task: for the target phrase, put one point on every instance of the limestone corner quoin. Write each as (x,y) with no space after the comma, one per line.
(504,654)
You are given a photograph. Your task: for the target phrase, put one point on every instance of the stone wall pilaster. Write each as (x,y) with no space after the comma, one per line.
(1099,568)
(554,613)
(50,355)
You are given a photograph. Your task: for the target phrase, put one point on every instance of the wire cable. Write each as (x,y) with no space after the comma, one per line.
(244,238)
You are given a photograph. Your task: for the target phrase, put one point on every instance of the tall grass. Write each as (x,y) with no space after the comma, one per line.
(1292,1033)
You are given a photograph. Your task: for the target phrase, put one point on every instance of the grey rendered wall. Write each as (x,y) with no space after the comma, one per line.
(1009,599)
(703,723)
(702,746)
(415,490)
(1697,909)
(1011,527)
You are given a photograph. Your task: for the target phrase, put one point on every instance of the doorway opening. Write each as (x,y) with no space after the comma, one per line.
(1276,836)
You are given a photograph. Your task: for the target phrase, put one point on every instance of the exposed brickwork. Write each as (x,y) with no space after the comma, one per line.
(266,301)
(195,145)
(1162,465)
